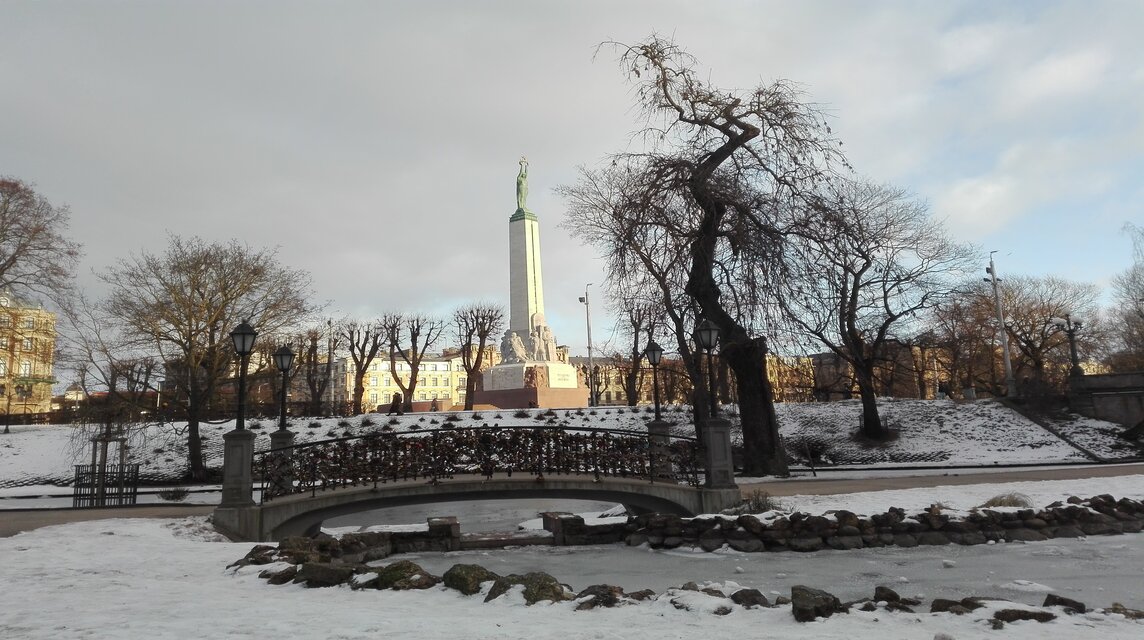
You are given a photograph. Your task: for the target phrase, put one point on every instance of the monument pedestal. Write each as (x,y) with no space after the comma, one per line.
(521,385)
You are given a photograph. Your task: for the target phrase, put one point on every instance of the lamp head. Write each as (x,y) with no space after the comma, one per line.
(284,358)
(654,353)
(706,334)
(243,337)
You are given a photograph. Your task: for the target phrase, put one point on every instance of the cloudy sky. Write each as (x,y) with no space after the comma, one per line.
(376,143)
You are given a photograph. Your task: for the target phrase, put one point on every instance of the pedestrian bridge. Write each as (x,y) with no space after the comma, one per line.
(301,486)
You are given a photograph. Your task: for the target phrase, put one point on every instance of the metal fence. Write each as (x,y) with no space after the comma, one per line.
(445,453)
(113,485)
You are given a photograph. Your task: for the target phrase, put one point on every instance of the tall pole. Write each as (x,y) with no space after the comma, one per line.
(1010,384)
(591,368)
(240,417)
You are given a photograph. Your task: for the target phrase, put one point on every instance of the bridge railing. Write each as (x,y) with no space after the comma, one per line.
(484,451)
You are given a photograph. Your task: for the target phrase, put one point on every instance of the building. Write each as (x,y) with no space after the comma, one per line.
(441,378)
(27,353)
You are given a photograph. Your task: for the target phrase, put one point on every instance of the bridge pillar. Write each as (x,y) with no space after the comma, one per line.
(283,461)
(720,467)
(237,477)
(658,459)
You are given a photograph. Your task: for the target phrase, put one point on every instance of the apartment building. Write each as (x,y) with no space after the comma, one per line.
(27,353)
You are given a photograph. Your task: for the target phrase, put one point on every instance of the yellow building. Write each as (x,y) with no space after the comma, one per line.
(441,378)
(27,351)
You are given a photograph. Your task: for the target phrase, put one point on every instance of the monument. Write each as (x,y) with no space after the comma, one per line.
(532,373)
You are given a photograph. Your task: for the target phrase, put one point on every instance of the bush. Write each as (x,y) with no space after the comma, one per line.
(757,501)
(1011,499)
(367,422)
(254,426)
(341,423)
(477,416)
(452,417)
(174,494)
(521,414)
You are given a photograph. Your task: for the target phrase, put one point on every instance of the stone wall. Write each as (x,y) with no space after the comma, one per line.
(1116,398)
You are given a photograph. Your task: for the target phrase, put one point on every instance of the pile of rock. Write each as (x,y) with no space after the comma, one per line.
(1099,515)
(329,562)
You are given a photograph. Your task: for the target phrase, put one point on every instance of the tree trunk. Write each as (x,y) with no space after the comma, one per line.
(470,389)
(198,469)
(359,391)
(762,453)
(871,422)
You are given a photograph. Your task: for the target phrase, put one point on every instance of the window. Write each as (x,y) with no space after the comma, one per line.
(422,396)
(373,381)
(433,367)
(433,381)
(25,368)
(5,320)
(30,322)
(373,398)
(461,381)
(3,367)
(388,381)
(28,344)
(373,366)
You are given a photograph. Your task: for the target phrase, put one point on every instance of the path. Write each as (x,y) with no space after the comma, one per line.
(13,521)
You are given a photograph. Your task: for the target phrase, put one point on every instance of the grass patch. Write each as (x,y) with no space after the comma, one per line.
(757,501)
(1011,499)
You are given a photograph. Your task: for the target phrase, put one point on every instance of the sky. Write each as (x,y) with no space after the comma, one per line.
(375,144)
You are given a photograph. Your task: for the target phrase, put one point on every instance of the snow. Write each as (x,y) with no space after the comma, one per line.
(168,578)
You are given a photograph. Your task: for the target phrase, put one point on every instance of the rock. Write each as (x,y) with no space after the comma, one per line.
(1070,605)
(467,578)
(599,595)
(844,543)
(781,601)
(279,577)
(323,574)
(885,594)
(1067,531)
(401,575)
(1023,535)
(745,545)
(537,586)
(1013,615)
(750,598)
(940,605)
(932,538)
(805,543)
(1133,614)
(641,595)
(808,604)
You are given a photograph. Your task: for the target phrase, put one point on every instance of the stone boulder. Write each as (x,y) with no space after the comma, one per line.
(1013,615)
(1070,605)
(599,595)
(323,574)
(537,586)
(808,604)
(750,598)
(468,578)
(402,575)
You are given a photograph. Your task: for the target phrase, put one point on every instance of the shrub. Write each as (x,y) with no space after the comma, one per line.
(521,414)
(452,417)
(477,416)
(174,494)
(254,426)
(367,422)
(498,417)
(314,424)
(757,501)
(1011,499)
(393,422)
(341,423)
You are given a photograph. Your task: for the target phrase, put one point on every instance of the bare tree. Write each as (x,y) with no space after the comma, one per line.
(35,254)
(639,323)
(363,341)
(409,336)
(867,261)
(1128,313)
(724,164)
(315,364)
(475,324)
(183,304)
(1042,350)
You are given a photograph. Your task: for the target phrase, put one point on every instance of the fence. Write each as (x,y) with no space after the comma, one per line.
(114,485)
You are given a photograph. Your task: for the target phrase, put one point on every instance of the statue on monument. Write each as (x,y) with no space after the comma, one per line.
(512,348)
(522,185)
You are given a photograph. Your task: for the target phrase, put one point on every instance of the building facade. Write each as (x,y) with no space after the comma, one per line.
(27,354)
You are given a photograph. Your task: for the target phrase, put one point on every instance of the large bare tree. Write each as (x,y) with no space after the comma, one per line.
(475,324)
(733,161)
(866,262)
(183,303)
(1128,312)
(35,254)
(363,341)
(409,337)
(1041,349)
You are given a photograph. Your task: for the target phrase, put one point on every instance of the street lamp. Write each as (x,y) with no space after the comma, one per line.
(1070,325)
(654,354)
(1010,383)
(706,337)
(283,359)
(591,369)
(243,337)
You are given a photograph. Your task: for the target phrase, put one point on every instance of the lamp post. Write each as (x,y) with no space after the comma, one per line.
(654,354)
(706,337)
(591,369)
(283,359)
(657,430)
(243,337)
(1070,325)
(1010,383)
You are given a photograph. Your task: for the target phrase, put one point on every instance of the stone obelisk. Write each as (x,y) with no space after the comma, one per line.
(532,373)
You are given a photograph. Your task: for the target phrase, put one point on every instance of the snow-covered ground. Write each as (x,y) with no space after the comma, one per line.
(939,433)
(142,578)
